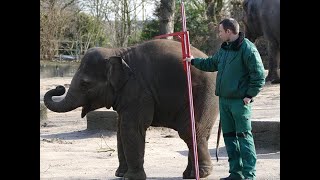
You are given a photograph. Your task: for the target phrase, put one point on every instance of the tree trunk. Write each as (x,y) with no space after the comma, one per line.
(166,17)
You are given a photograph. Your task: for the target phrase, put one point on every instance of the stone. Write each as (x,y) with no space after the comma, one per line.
(266,134)
(102,120)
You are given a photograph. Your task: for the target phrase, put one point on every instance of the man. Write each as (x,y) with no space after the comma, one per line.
(240,78)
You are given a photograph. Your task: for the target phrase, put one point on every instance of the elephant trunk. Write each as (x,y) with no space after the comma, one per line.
(69,103)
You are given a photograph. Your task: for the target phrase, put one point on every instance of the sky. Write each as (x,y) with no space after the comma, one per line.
(149,9)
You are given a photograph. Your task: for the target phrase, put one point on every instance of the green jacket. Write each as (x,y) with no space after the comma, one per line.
(239,66)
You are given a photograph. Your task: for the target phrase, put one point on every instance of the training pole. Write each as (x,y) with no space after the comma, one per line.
(188,64)
(185,45)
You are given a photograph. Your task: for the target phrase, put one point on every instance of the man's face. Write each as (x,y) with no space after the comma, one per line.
(224,35)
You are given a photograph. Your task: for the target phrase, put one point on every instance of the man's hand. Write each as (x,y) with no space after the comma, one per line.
(246,100)
(188,59)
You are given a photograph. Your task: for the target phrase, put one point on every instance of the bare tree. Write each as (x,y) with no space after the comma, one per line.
(216,11)
(126,21)
(99,10)
(119,17)
(55,15)
(76,25)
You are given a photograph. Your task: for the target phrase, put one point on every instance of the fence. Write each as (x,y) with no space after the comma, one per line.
(63,50)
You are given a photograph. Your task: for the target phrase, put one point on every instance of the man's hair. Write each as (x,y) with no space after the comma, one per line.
(230,23)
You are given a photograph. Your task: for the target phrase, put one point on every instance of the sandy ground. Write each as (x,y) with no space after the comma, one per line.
(69,151)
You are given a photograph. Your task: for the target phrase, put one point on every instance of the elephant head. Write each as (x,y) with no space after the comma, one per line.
(94,85)
(262,18)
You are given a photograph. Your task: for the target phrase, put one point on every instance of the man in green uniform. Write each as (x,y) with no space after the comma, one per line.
(240,78)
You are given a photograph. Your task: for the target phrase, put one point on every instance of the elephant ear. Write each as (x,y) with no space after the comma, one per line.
(118,72)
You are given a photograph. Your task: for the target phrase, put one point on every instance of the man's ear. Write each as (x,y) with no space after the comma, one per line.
(118,72)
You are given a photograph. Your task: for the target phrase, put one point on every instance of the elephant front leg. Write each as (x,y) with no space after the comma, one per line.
(273,75)
(123,168)
(133,142)
(187,173)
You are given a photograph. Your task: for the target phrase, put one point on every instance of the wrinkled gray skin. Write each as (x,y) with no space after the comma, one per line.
(262,18)
(147,86)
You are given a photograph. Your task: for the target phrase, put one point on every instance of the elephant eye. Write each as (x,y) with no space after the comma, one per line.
(85,84)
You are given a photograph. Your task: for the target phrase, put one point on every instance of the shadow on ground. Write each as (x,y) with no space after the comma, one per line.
(83,134)
(261,153)
(164,178)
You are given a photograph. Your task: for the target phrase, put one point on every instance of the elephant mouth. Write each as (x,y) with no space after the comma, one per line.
(85,110)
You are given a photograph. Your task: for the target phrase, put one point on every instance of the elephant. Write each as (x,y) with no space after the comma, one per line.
(262,18)
(146,84)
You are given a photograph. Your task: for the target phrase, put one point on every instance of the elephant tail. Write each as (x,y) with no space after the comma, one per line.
(218,139)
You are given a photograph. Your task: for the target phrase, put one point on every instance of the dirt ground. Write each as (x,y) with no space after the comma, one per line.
(69,151)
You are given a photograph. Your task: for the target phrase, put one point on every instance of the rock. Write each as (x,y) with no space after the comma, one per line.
(266,134)
(102,120)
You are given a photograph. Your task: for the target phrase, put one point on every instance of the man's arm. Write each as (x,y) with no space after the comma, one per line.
(257,75)
(205,64)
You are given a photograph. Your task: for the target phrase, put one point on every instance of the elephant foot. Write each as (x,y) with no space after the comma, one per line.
(136,175)
(204,171)
(273,79)
(121,171)
(186,173)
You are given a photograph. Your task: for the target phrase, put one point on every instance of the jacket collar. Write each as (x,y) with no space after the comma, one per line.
(235,45)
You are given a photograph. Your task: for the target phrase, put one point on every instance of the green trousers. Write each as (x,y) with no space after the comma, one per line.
(236,128)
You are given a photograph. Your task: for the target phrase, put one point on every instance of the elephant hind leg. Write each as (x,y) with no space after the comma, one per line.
(189,172)
(204,158)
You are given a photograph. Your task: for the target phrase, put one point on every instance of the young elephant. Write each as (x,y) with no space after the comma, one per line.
(146,84)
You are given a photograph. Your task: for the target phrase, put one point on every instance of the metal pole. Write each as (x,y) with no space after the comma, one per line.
(187,54)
